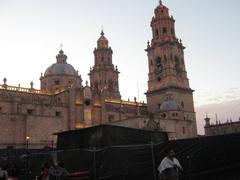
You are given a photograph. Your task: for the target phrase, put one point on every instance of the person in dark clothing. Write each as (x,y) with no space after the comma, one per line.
(13,170)
(3,174)
(57,172)
(44,172)
(169,167)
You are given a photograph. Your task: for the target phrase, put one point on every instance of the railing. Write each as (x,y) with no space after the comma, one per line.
(118,101)
(30,90)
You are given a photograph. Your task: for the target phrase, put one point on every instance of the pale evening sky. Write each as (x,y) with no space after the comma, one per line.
(31,32)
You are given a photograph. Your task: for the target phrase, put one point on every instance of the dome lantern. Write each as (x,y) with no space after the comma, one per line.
(102,41)
(61,57)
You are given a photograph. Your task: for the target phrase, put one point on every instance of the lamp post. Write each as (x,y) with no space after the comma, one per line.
(27,163)
(27,141)
(52,144)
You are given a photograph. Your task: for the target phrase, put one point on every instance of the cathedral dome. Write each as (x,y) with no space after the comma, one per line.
(61,67)
(169,105)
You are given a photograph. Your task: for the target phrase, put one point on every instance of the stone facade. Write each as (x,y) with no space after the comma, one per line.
(63,103)
(219,128)
(30,117)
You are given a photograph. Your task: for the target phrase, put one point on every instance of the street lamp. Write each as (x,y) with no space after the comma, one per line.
(52,144)
(27,160)
(27,141)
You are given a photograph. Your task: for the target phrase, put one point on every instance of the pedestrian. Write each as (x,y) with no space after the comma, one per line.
(13,171)
(44,172)
(169,168)
(57,172)
(3,174)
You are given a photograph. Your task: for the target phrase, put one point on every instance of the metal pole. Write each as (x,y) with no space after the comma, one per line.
(52,145)
(189,167)
(153,162)
(94,163)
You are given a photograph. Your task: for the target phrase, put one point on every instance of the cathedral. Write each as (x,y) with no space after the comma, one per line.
(32,116)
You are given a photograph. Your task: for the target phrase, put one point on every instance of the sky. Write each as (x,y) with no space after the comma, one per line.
(31,32)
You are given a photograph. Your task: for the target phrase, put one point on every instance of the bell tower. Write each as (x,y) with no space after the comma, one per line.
(103,75)
(165,54)
(167,72)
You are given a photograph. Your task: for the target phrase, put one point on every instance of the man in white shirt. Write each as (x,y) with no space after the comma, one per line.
(169,167)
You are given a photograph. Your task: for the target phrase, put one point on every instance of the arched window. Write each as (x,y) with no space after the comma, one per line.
(182,103)
(177,65)
(165,59)
(163,115)
(156,31)
(110,85)
(159,64)
(183,130)
(96,84)
(164,30)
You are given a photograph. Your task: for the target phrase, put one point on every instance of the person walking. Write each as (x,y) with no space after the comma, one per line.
(3,174)
(57,172)
(169,168)
(44,172)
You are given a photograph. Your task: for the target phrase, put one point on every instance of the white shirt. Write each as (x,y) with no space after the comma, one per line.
(168,163)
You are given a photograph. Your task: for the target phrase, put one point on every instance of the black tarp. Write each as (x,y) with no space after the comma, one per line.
(204,158)
(107,135)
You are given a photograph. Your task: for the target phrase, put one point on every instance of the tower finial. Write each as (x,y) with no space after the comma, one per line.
(102,32)
(160,2)
(31,84)
(5,83)
(61,51)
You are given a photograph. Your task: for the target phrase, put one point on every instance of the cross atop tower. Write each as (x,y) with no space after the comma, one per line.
(61,46)
(102,32)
